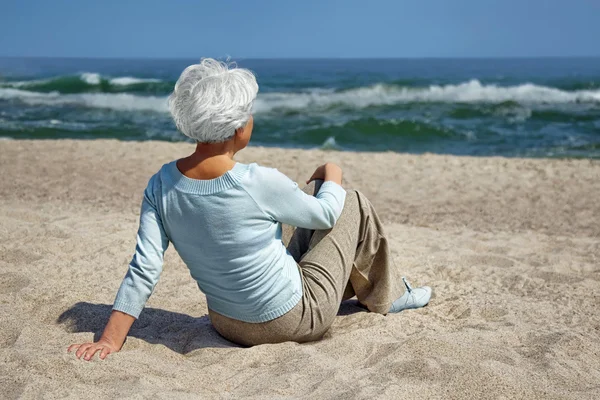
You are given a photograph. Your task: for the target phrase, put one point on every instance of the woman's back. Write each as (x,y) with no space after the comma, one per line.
(227,230)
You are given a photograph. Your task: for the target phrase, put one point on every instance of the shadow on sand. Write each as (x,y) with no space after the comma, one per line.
(179,332)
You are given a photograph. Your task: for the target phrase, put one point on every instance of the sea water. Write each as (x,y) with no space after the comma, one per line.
(546,107)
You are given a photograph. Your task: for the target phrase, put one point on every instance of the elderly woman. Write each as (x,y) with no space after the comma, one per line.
(274,261)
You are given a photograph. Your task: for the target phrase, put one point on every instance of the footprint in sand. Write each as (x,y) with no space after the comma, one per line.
(12,283)
(487,260)
(453,310)
(19,256)
(9,336)
(493,314)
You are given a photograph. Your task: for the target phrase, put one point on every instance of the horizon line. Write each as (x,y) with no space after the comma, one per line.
(309,58)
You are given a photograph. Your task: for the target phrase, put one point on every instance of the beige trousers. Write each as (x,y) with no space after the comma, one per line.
(351,259)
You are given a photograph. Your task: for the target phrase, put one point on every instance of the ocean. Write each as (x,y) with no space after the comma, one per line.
(546,107)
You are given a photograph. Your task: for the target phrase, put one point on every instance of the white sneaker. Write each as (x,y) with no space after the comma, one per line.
(412,298)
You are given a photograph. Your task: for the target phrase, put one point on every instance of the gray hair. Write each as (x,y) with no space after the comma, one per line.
(212,99)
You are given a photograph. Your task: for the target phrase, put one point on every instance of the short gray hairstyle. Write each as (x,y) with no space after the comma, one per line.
(212,99)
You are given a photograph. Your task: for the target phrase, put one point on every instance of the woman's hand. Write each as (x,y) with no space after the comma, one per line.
(112,338)
(327,172)
(87,350)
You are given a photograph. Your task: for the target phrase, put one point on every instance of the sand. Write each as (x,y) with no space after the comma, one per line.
(510,246)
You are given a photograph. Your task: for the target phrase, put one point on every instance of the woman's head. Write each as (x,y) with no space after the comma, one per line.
(212,100)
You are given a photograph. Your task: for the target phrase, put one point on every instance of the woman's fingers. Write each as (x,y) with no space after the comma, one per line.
(81,350)
(316,175)
(88,350)
(91,351)
(105,351)
(73,347)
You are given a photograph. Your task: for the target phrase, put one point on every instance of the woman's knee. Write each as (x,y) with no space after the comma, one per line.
(352,193)
(352,201)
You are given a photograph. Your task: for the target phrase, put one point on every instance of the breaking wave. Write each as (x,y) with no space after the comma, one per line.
(112,101)
(383,94)
(93,82)
(472,92)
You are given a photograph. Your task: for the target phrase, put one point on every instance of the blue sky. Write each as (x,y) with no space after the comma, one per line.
(302,28)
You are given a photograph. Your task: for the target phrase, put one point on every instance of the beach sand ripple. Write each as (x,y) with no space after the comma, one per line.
(510,246)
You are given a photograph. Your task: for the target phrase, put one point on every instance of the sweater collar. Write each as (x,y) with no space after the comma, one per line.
(228,180)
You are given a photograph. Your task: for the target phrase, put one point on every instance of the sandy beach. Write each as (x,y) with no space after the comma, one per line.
(511,248)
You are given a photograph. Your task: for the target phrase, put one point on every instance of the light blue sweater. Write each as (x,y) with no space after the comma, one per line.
(228,232)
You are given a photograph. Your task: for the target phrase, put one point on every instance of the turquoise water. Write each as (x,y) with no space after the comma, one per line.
(510,107)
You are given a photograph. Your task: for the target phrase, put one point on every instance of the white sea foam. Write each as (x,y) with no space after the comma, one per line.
(330,144)
(129,80)
(120,101)
(381,94)
(529,95)
(10,93)
(17,84)
(123,101)
(91,78)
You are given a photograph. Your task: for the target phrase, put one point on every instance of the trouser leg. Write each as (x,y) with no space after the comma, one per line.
(350,259)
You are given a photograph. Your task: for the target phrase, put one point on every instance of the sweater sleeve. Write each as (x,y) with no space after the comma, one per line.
(283,201)
(146,265)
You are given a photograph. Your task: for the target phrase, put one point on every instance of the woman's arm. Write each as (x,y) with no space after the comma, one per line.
(112,338)
(282,200)
(139,282)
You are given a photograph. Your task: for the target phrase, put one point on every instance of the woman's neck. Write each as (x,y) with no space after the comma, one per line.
(209,161)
